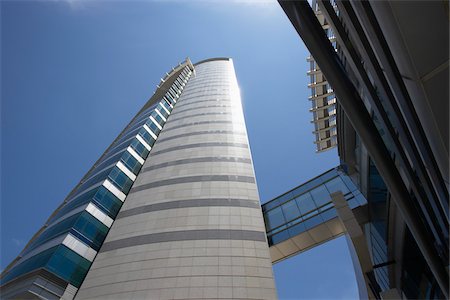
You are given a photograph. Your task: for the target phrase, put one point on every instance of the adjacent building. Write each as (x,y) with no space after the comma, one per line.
(388,67)
(323,99)
(169,211)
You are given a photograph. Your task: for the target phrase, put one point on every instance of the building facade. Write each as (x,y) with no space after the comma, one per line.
(169,211)
(323,99)
(390,76)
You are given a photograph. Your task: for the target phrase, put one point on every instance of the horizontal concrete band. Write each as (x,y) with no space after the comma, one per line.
(201,133)
(197,160)
(189,203)
(188,179)
(200,114)
(184,103)
(165,129)
(197,108)
(172,236)
(200,145)
(190,94)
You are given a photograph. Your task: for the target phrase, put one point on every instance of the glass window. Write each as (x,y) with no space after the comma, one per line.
(74,203)
(335,185)
(132,164)
(166,105)
(280,237)
(163,112)
(53,231)
(285,197)
(130,133)
(108,161)
(312,222)
(157,118)
(320,195)
(69,265)
(122,181)
(270,204)
(296,229)
(274,218)
(91,229)
(290,210)
(139,148)
(328,214)
(305,203)
(155,129)
(35,262)
(95,179)
(107,202)
(122,146)
(147,136)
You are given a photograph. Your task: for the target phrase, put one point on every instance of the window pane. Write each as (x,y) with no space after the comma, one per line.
(274,218)
(107,202)
(33,263)
(69,265)
(290,211)
(91,229)
(335,185)
(305,203)
(320,195)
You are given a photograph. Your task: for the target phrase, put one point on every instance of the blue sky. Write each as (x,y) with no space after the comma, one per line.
(73,73)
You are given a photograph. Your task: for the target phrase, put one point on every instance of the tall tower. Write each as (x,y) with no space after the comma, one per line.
(170,210)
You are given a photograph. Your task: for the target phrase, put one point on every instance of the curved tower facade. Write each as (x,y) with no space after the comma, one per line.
(191,226)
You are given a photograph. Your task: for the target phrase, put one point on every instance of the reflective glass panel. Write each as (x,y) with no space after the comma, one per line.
(274,218)
(305,203)
(335,185)
(320,195)
(69,265)
(107,202)
(290,210)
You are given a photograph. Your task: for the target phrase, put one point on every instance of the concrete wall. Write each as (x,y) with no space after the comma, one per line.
(191,226)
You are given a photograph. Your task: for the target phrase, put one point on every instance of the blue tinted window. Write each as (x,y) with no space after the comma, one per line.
(76,202)
(335,185)
(296,229)
(95,179)
(348,182)
(312,222)
(69,265)
(328,214)
(305,203)
(92,231)
(53,231)
(155,129)
(145,113)
(33,263)
(107,202)
(147,136)
(122,146)
(122,181)
(320,195)
(163,112)
(164,103)
(157,118)
(274,218)
(290,211)
(279,237)
(139,148)
(129,134)
(109,159)
(132,164)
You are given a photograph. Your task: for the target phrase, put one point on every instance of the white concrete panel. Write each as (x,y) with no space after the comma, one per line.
(79,247)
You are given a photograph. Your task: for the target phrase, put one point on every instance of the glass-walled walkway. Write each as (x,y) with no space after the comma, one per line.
(305,216)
